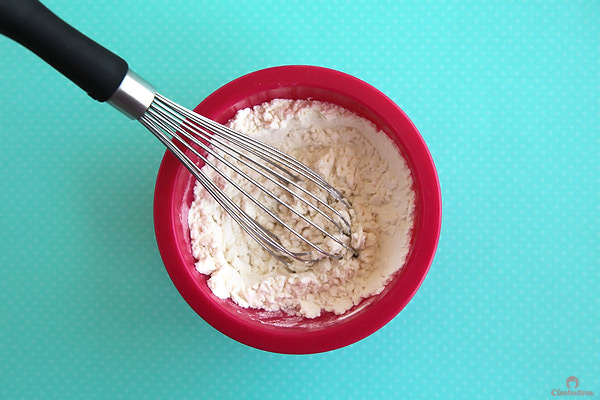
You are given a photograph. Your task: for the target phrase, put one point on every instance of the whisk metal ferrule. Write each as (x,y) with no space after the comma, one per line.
(133,96)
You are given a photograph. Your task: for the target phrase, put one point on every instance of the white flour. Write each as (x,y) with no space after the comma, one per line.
(355,158)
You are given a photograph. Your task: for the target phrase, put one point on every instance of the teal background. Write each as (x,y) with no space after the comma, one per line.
(506,95)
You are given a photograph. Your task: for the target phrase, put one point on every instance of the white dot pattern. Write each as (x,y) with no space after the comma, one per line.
(504,93)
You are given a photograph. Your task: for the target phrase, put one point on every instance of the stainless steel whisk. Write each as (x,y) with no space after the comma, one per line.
(107,77)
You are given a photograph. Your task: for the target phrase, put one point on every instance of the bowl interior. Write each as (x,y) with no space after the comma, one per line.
(175,194)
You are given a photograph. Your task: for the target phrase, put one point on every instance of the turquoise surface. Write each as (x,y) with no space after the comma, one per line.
(505,93)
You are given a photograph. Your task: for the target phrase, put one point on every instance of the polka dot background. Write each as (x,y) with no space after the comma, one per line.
(505,93)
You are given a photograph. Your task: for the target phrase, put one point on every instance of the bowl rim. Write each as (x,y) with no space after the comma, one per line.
(283,340)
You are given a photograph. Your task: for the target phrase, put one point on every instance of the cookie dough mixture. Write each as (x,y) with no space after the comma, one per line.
(355,158)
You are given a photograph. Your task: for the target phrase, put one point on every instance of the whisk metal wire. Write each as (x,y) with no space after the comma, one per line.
(173,124)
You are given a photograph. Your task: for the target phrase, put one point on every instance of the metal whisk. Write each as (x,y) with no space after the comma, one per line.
(291,187)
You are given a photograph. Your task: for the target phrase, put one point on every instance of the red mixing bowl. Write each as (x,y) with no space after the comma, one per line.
(277,332)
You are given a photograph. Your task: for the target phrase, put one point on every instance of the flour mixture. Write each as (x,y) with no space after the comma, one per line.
(353,157)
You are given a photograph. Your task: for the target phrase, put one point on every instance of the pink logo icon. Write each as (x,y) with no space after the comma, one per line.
(572,380)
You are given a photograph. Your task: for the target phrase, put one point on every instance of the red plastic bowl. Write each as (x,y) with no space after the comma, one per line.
(274,331)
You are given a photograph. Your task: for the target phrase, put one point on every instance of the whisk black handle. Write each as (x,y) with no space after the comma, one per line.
(90,66)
